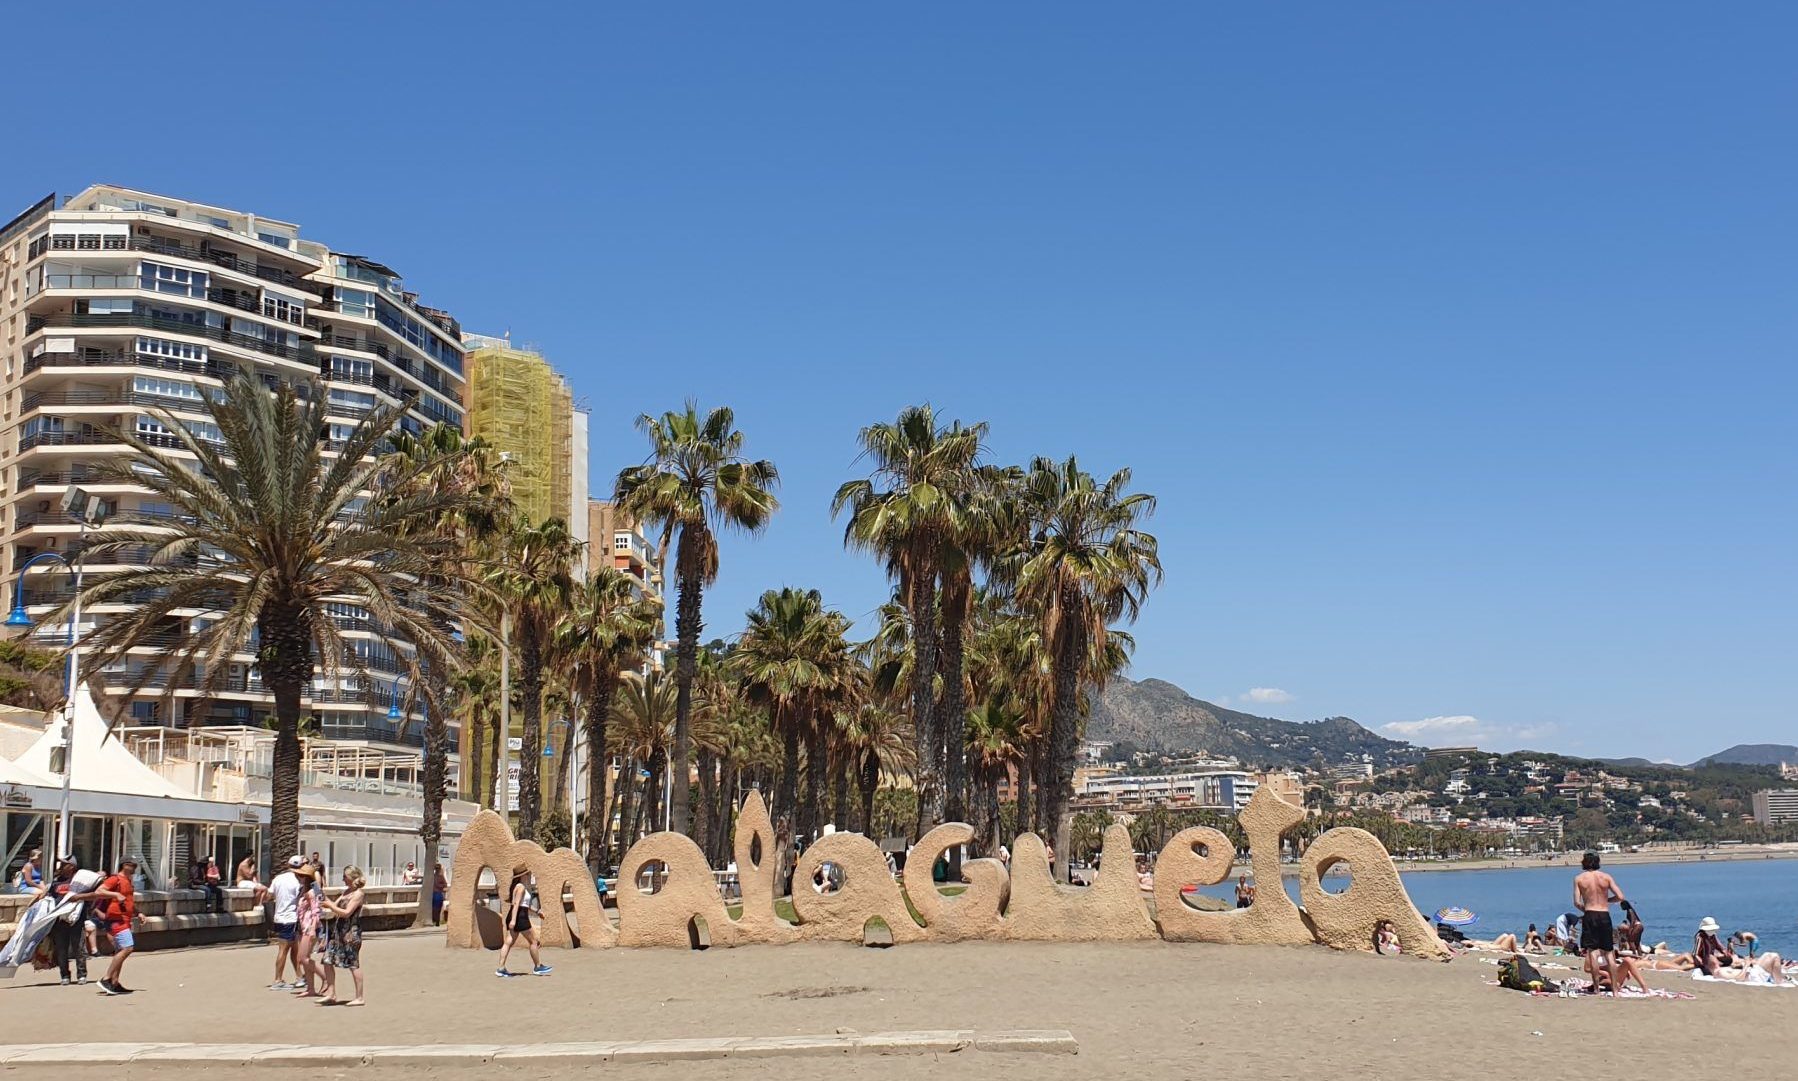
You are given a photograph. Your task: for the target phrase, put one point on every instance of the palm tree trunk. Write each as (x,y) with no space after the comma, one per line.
(839,795)
(496,777)
(708,793)
(722,808)
(953,718)
(599,707)
(786,798)
(868,780)
(630,806)
(530,686)
(430,826)
(923,687)
(1064,735)
(475,757)
(652,791)
(809,802)
(286,663)
(687,626)
(615,812)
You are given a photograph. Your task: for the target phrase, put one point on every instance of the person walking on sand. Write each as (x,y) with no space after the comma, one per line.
(284,894)
(1594,892)
(345,947)
(518,925)
(121,919)
(306,909)
(1245,893)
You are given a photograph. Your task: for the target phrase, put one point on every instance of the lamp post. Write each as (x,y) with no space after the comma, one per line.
(20,618)
(574,766)
(393,702)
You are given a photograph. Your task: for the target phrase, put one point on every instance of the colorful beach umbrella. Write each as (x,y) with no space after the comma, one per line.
(1455,917)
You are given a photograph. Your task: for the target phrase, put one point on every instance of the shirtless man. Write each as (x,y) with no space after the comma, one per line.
(1593,893)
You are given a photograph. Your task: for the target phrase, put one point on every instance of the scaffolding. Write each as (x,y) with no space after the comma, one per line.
(524,408)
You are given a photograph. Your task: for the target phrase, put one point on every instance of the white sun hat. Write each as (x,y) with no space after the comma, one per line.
(1708,925)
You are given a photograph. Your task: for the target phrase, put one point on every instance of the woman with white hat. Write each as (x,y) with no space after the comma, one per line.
(1716,959)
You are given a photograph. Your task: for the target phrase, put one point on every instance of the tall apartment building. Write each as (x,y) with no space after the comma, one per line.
(620,541)
(1775,806)
(114,302)
(521,405)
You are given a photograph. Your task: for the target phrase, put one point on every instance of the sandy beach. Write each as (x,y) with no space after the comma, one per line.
(1138,1009)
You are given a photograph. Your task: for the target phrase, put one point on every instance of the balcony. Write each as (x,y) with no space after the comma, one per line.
(98,438)
(304,353)
(99,358)
(42,398)
(228,260)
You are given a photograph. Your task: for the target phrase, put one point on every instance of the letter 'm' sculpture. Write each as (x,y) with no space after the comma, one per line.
(685,909)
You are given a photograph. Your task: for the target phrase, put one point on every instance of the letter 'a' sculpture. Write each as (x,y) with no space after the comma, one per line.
(684,907)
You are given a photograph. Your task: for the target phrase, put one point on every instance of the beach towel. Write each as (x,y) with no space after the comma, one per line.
(1583,989)
(34,927)
(1788,984)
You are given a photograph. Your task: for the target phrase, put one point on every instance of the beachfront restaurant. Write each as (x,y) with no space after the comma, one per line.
(119,806)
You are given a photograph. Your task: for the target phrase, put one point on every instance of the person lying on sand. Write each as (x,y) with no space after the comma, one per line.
(1623,969)
(1505,943)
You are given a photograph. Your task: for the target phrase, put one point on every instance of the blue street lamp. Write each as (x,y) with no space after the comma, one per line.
(393,702)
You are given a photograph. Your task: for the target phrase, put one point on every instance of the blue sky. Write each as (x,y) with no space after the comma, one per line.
(1456,341)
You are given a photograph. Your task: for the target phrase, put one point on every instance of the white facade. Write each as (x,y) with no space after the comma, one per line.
(580,486)
(1226,790)
(115,304)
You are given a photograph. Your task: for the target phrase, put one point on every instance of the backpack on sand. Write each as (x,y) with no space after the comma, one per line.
(1518,974)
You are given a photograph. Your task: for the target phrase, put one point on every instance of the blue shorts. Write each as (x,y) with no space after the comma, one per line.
(122,940)
(286,931)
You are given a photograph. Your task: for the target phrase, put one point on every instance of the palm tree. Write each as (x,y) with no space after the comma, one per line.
(904,512)
(533,579)
(995,750)
(644,713)
(878,743)
(441,459)
(1086,566)
(272,532)
(474,696)
(695,480)
(782,659)
(606,631)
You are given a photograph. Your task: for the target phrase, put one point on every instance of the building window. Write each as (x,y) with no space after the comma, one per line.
(352,370)
(173,350)
(166,388)
(288,311)
(356,302)
(276,239)
(176,280)
(353,399)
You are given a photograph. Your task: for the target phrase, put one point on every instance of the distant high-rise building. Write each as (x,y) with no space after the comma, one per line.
(619,541)
(523,407)
(120,309)
(1776,806)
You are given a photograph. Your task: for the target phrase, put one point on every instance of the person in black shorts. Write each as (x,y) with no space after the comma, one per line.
(519,902)
(1594,892)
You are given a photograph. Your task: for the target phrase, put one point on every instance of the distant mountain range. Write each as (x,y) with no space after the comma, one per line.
(1752,754)
(1155,715)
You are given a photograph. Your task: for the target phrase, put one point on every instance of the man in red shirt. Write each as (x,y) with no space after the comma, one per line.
(121,916)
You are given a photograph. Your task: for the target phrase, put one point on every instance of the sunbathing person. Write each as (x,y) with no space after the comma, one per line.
(1709,955)
(1625,970)
(1505,943)
(1532,941)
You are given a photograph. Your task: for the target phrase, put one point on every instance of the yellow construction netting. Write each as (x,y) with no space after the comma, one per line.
(524,408)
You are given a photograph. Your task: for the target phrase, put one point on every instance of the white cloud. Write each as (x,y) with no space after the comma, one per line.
(1267,696)
(1433,726)
(1461,729)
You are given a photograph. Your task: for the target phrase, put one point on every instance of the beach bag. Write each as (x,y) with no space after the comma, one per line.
(1519,975)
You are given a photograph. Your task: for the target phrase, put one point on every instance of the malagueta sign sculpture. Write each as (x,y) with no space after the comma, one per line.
(1020,904)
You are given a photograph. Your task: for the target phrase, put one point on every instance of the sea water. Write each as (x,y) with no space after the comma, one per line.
(1743,895)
